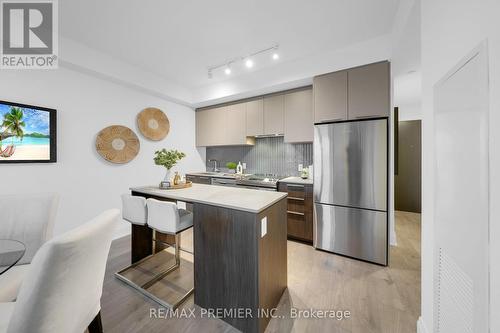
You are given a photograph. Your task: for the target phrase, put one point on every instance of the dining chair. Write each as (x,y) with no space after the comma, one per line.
(63,287)
(28,218)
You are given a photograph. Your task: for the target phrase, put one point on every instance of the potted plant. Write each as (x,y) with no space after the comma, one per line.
(231,166)
(167,159)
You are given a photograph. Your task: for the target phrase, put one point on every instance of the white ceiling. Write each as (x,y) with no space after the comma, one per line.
(178,40)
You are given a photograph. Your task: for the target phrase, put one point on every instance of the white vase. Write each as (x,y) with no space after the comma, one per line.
(168,176)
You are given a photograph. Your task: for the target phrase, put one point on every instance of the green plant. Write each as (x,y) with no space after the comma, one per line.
(231,165)
(13,122)
(168,158)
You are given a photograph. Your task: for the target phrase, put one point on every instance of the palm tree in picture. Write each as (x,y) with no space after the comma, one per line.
(13,123)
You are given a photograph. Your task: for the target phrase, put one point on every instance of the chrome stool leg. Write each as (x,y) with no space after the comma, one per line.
(143,288)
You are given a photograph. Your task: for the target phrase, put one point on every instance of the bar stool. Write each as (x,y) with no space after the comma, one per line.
(164,217)
(134,210)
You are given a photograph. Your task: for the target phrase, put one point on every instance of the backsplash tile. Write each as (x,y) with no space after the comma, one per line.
(269,156)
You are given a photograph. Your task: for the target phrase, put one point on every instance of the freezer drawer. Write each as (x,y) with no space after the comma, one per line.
(353,232)
(350,164)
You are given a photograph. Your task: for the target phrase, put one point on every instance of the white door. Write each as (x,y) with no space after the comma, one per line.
(461,273)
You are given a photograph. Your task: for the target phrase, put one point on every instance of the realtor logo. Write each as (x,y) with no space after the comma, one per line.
(29,34)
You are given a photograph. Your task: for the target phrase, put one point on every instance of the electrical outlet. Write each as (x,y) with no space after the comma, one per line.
(301,166)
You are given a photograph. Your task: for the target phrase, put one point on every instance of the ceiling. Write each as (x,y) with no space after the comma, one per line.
(179,40)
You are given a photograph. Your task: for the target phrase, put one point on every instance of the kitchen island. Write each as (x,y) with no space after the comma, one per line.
(240,250)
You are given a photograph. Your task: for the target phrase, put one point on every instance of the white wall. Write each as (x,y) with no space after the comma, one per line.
(406,61)
(450,30)
(86,183)
(408,95)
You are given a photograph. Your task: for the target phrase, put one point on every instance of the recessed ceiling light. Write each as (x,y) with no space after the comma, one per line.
(227,70)
(276,56)
(249,63)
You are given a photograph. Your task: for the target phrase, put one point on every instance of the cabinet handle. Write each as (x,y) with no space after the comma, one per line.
(295,213)
(295,185)
(295,198)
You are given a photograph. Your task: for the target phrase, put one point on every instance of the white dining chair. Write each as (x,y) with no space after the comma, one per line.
(164,217)
(28,218)
(63,287)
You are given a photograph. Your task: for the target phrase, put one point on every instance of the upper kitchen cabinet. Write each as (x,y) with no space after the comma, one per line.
(222,126)
(236,124)
(255,117)
(330,97)
(210,126)
(274,109)
(368,88)
(299,126)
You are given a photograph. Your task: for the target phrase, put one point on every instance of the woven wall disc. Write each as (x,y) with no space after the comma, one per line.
(153,123)
(117,144)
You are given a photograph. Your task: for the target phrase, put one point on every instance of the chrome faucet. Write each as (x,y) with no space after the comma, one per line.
(215,165)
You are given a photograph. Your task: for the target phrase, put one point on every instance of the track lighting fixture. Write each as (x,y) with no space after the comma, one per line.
(247,60)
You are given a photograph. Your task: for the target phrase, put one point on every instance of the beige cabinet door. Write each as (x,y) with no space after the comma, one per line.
(330,97)
(299,125)
(255,117)
(218,125)
(202,127)
(236,124)
(274,114)
(369,94)
(211,127)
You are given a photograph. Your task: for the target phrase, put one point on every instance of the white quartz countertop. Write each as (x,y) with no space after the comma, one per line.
(249,200)
(297,180)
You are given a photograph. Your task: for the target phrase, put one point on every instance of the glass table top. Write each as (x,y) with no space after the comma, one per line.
(11,251)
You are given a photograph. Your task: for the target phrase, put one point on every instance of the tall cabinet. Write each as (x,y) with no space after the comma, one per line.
(330,97)
(356,93)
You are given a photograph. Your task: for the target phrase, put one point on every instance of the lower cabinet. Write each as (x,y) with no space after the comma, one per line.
(299,210)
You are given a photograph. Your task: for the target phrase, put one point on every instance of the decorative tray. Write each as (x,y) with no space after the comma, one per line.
(177,187)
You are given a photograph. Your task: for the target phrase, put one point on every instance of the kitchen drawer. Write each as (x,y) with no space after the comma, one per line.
(296,205)
(295,190)
(296,225)
(299,210)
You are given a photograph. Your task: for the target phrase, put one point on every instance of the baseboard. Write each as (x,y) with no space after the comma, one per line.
(421,326)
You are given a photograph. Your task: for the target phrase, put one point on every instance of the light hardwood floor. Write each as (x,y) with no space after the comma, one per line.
(380,299)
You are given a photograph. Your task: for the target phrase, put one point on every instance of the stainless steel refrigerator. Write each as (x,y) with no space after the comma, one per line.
(350,189)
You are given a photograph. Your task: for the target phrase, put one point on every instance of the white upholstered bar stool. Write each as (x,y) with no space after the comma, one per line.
(166,218)
(134,210)
(161,216)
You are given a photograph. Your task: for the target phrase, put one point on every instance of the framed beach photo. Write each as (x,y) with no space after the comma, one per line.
(27,133)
